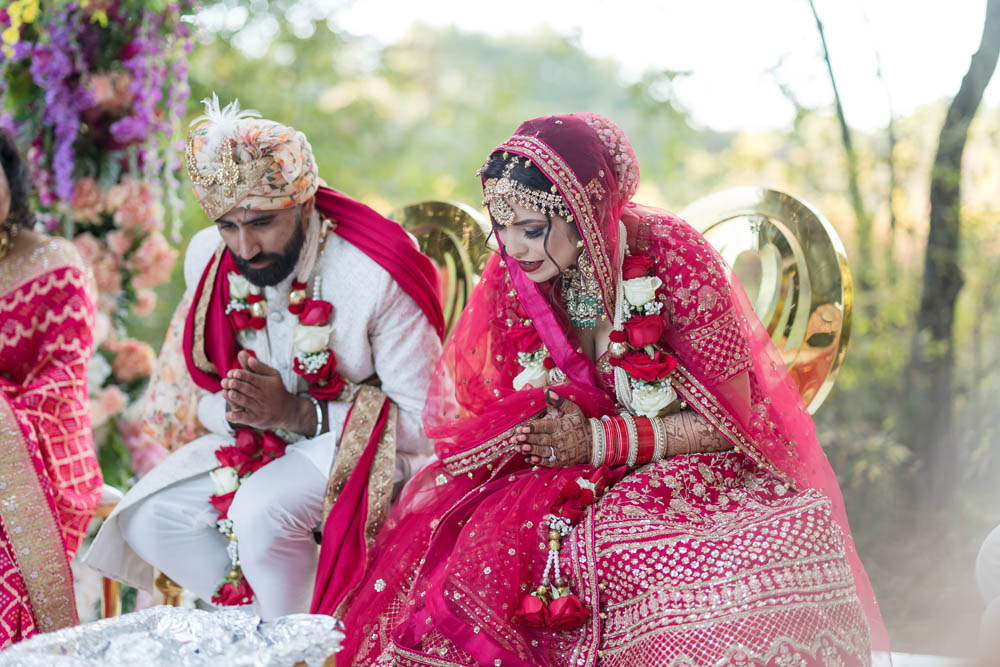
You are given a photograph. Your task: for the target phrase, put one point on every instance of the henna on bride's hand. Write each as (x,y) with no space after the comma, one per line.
(560,438)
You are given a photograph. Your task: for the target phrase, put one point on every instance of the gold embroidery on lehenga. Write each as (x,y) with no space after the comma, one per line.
(35,539)
(478,456)
(55,253)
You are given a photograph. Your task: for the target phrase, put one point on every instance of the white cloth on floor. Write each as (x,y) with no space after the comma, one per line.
(178,637)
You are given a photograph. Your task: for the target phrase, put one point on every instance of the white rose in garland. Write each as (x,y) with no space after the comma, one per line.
(650,398)
(311,339)
(535,373)
(239,287)
(640,291)
(225,479)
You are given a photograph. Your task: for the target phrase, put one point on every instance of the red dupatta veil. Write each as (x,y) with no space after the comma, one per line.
(484,551)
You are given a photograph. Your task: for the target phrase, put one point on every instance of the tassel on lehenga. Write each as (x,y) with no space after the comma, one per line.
(552,604)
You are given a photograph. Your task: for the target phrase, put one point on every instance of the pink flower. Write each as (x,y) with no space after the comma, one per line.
(101,88)
(140,208)
(134,360)
(145,302)
(119,242)
(89,247)
(86,202)
(102,329)
(108,274)
(113,400)
(111,91)
(117,195)
(153,262)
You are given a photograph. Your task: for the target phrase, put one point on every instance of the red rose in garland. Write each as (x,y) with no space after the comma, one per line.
(222,503)
(524,338)
(321,374)
(240,319)
(315,313)
(645,330)
(329,391)
(642,366)
(532,613)
(636,266)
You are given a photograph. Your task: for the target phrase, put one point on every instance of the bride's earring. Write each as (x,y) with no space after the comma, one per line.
(581,293)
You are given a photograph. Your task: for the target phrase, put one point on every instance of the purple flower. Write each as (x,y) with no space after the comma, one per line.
(130,130)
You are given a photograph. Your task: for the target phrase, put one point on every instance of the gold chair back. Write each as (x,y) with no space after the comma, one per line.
(454,236)
(794,268)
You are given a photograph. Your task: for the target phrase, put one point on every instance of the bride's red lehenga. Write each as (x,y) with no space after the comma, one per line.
(743,557)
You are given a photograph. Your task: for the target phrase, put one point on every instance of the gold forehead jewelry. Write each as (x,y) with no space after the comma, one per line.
(497,191)
(229,182)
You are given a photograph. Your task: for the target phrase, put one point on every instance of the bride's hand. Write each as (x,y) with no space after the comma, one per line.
(560,438)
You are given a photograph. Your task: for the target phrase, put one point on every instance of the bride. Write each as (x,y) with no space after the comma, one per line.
(625,472)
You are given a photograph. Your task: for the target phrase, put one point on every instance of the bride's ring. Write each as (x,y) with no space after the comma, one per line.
(552,457)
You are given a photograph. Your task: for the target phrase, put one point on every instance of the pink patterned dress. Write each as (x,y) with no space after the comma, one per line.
(50,481)
(736,558)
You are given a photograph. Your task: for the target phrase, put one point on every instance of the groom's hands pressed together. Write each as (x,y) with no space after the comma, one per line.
(256,397)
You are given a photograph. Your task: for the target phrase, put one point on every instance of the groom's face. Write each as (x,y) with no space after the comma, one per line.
(265,245)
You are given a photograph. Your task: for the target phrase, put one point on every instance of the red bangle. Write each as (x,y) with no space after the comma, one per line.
(647,440)
(616,436)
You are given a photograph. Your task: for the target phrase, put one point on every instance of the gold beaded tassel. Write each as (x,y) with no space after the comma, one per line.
(555,587)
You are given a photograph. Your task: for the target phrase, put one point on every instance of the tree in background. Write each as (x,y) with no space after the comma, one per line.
(932,358)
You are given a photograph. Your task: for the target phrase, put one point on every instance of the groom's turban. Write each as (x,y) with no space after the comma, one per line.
(237,159)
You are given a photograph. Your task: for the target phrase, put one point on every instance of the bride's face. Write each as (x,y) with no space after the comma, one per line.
(525,242)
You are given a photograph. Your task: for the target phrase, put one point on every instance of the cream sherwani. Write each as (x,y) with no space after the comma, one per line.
(166,521)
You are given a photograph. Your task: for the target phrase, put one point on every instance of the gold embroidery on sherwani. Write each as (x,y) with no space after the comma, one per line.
(357,432)
(201,313)
(35,540)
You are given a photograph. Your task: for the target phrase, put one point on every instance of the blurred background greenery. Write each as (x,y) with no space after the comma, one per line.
(413,119)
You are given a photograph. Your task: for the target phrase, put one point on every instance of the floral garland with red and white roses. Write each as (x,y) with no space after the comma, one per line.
(636,349)
(314,361)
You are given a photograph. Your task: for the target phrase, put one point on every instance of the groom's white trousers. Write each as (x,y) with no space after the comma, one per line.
(274,513)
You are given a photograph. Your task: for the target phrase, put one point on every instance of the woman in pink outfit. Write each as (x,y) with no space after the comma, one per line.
(625,474)
(50,481)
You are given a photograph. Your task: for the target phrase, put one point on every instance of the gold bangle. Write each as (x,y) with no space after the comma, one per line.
(599,442)
(660,438)
(633,439)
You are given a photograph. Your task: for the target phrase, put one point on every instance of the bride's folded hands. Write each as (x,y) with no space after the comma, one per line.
(561,438)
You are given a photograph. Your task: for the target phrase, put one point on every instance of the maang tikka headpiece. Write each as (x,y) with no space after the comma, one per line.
(497,190)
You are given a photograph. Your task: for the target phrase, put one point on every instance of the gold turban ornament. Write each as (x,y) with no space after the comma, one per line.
(235,158)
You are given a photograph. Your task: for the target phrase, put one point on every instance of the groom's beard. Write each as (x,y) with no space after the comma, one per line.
(282,263)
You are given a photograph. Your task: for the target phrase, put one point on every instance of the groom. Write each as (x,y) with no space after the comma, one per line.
(301,300)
